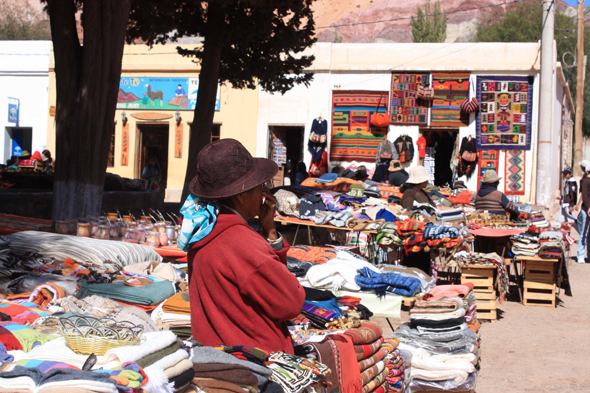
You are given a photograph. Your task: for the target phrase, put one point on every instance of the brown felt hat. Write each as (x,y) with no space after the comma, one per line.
(225,168)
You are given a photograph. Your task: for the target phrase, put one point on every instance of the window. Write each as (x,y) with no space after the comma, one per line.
(215,133)
(111,160)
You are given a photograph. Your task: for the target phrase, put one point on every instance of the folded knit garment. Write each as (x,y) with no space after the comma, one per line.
(366,334)
(151,294)
(179,368)
(24,312)
(182,380)
(387,282)
(441,291)
(377,381)
(165,357)
(27,337)
(177,304)
(233,373)
(364,351)
(212,355)
(370,373)
(338,273)
(439,316)
(217,386)
(437,306)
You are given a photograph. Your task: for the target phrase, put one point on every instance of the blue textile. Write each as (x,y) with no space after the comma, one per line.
(386,215)
(327,178)
(387,282)
(435,231)
(200,217)
(330,305)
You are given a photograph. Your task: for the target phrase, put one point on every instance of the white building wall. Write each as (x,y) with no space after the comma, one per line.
(348,67)
(24,74)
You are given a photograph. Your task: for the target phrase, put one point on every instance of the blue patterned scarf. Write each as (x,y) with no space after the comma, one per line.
(200,217)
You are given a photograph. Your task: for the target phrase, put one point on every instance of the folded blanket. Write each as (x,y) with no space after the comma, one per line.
(387,282)
(441,291)
(178,368)
(24,312)
(177,304)
(370,373)
(27,337)
(164,357)
(337,353)
(439,316)
(441,305)
(366,334)
(233,373)
(212,355)
(364,351)
(388,347)
(373,384)
(214,385)
(150,295)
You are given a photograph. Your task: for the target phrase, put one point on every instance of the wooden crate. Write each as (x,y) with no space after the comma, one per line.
(480,277)
(540,271)
(486,304)
(539,293)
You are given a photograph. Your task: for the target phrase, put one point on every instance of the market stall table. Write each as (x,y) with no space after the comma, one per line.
(308,224)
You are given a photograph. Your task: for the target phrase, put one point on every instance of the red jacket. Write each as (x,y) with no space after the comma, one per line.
(241,292)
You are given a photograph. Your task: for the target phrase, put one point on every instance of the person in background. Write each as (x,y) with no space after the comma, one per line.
(338,170)
(413,189)
(361,173)
(569,198)
(151,169)
(241,292)
(583,204)
(397,174)
(489,199)
(301,173)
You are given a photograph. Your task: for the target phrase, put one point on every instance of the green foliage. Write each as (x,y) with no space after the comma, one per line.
(261,41)
(20,21)
(523,23)
(337,38)
(429,28)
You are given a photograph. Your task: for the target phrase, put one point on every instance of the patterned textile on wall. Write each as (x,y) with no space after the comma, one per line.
(450,89)
(514,173)
(504,119)
(353,138)
(406,108)
(488,159)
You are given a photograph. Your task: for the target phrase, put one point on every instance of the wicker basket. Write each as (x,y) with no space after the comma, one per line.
(87,335)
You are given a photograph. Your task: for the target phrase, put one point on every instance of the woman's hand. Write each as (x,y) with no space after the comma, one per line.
(267,214)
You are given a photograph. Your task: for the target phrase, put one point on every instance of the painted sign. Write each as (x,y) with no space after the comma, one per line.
(13,110)
(156,93)
(17,142)
(178,141)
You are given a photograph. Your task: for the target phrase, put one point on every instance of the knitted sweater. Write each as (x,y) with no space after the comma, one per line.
(241,292)
(489,199)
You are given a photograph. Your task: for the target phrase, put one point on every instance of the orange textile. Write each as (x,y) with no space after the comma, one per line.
(319,255)
(440,291)
(177,305)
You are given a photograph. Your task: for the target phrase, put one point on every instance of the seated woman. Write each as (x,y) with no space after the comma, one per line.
(241,292)
(489,199)
(413,189)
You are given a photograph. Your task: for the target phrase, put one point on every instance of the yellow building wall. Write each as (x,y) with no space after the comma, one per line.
(237,116)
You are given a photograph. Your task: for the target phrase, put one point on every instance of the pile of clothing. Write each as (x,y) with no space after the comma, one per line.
(452,215)
(539,220)
(552,245)
(443,338)
(174,314)
(419,236)
(525,244)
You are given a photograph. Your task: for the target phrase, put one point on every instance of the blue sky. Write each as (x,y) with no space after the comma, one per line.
(574,3)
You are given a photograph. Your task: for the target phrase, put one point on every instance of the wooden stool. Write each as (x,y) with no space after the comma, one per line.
(482,278)
(539,281)
(486,304)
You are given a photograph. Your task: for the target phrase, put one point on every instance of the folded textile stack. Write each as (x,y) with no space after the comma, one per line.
(452,215)
(427,282)
(100,252)
(146,295)
(217,370)
(174,314)
(418,236)
(16,336)
(525,244)
(23,311)
(390,282)
(388,234)
(426,209)
(539,220)
(444,347)
(552,245)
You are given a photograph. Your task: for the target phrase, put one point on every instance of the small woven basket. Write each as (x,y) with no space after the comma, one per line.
(87,335)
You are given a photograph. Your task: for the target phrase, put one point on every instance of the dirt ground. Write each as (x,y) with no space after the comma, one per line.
(536,349)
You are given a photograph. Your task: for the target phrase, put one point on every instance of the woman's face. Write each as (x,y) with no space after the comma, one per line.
(251,202)
(422,185)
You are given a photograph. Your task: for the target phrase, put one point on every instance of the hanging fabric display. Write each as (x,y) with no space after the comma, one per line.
(514,172)
(317,139)
(488,160)
(450,89)
(505,119)
(405,148)
(406,107)
(467,157)
(353,138)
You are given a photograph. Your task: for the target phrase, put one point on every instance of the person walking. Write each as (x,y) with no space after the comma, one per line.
(569,198)
(582,220)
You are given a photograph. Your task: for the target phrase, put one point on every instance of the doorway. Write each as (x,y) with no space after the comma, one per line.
(439,152)
(153,139)
(286,149)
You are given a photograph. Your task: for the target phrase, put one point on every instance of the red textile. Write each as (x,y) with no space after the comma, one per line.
(241,292)
(421,142)
(496,232)
(350,373)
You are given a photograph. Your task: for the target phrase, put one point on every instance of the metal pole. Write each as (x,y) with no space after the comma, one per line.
(544,164)
(581,63)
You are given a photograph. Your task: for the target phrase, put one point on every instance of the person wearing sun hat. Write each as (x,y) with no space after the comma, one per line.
(414,187)
(241,292)
(489,199)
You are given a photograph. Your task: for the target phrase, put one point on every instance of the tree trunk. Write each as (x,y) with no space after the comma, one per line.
(87,82)
(200,133)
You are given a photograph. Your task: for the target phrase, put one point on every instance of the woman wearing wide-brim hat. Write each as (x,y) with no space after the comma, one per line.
(241,292)
(414,188)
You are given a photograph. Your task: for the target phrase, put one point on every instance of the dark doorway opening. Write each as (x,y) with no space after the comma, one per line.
(439,149)
(154,144)
(291,138)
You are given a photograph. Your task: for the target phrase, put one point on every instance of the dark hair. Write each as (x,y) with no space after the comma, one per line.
(301,167)
(494,184)
(338,170)
(46,153)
